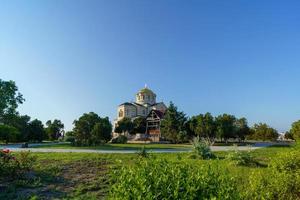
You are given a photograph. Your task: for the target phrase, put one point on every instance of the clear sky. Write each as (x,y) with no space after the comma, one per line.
(70,57)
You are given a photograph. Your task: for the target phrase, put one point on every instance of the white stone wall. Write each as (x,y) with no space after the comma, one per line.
(142,111)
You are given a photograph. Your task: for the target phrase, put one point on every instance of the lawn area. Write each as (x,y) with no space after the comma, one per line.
(87,175)
(119,146)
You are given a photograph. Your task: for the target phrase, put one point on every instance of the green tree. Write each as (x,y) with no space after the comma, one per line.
(225,126)
(8,133)
(295,130)
(54,129)
(37,131)
(242,128)
(204,126)
(173,125)
(101,131)
(91,129)
(9,98)
(263,132)
(124,126)
(139,125)
(288,135)
(20,122)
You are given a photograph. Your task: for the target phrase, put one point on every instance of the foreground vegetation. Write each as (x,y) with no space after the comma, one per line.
(275,175)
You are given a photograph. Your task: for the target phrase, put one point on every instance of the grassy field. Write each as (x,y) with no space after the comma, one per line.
(119,146)
(86,176)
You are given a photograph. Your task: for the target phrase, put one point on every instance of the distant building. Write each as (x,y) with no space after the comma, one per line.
(145,106)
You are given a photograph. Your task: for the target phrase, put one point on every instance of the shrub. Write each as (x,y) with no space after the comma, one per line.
(160,179)
(287,162)
(240,158)
(121,139)
(143,152)
(70,139)
(15,166)
(202,148)
(281,180)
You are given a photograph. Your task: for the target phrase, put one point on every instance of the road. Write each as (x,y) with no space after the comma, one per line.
(17,148)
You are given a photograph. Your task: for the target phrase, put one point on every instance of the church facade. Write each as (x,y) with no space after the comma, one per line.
(145,106)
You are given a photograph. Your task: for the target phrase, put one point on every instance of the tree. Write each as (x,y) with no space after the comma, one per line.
(101,131)
(20,122)
(124,126)
(242,128)
(91,129)
(295,130)
(139,125)
(225,126)
(37,131)
(263,132)
(173,125)
(9,98)
(8,133)
(54,129)
(204,126)
(288,135)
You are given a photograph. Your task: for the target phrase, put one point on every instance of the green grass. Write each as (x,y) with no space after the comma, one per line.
(86,175)
(119,146)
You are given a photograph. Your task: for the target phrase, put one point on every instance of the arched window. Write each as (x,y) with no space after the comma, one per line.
(121,113)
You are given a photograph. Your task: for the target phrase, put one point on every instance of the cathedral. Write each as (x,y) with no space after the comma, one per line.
(145,106)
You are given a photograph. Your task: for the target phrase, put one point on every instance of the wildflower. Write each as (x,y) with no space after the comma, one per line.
(5,150)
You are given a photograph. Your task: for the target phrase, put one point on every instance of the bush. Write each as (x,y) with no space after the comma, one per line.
(15,166)
(202,148)
(287,162)
(119,140)
(241,158)
(160,179)
(143,152)
(281,180)
(70,139)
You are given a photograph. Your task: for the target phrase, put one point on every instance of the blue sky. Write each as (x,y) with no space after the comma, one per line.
(70,57)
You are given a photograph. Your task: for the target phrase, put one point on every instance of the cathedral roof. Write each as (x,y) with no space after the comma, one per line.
(127,104)
(158,113)
(146,90)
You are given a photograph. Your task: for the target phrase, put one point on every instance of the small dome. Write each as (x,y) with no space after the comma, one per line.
(146,96)
(146,91)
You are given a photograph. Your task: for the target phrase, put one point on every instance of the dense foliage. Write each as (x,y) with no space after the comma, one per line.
(156,178)
(91,129)
(54,129)
(12,167)
(281,180)
(124,126)
(8,133)
(174,124)
(295,130)
(161,179)
(121,139)
(9,98)
(263,132)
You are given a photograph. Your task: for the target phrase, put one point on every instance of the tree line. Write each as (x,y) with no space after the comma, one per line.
(21,128)
(91,129)
(177,127)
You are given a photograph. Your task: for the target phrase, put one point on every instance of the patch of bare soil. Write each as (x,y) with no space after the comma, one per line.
(75,179)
